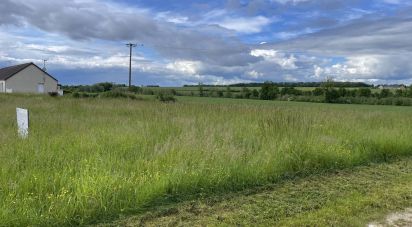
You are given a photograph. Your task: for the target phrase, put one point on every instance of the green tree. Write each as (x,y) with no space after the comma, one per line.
(331,94)
(342,92)
(364,92)
(318,92)
(385,93)
(255,93)
(201,91)
(219,93)
(228,93)
(409,92)
(400,93)
(246,93)
(268,91)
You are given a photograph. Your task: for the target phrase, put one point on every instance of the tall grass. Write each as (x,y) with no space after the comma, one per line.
(94,159)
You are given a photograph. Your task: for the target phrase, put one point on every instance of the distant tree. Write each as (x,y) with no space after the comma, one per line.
(255,93)
(342,92)
(228,93)
(290,91)
(329,83)
(331,94)
(351,92)
(246,93)
(318,92)
(201,92)
(212,92)
(219,93)
(268,91)
(385,93)
(400,93)
(364,92)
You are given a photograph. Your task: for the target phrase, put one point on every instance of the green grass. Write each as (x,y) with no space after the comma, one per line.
(88,160)
(352,197)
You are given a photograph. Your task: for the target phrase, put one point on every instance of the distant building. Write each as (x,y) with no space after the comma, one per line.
(26,78)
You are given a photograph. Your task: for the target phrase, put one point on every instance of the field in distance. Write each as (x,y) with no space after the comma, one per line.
(92,160)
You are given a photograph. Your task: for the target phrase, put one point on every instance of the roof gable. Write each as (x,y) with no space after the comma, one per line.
(6,73)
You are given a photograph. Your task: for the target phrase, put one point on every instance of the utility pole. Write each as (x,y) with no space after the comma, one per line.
(130,45)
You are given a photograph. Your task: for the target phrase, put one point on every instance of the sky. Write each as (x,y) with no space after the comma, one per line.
(211,41)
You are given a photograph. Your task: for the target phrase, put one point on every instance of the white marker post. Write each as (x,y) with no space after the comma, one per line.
(22,122)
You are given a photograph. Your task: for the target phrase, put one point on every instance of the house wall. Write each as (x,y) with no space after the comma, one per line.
(2,88)
(28,79)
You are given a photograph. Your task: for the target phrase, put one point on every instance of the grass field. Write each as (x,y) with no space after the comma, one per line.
(91,160)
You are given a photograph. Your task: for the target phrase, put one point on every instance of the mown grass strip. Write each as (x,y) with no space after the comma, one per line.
(344,198)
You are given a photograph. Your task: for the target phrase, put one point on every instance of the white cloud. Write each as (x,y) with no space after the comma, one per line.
(286,62)
(185,67)
(246,25)
(368,68)
(254,74)
(171,17)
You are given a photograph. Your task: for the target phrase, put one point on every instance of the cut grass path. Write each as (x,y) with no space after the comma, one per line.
(351,197)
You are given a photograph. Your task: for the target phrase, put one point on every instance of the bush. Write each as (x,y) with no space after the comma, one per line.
(76,95)
(117,94)
(165,97)
(364,92)
(83,95)
(219,93)
(53,94)
(318,92)
(134,89)
(148,92)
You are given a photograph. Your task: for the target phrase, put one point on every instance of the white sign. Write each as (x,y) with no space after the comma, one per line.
(23,122)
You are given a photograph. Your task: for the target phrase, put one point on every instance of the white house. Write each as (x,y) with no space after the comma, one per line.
(26,78)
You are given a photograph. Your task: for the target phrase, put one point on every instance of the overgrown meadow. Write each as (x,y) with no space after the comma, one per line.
(89,160)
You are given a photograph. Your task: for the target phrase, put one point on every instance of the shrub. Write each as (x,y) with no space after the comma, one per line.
(53,94)
(318,91)
(148,92)
(165,97)
(385,93)
(364,92)
(219,93)
(76,95)
(135,89)
(117,94)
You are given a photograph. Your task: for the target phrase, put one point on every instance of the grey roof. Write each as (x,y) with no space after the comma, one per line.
(6,73)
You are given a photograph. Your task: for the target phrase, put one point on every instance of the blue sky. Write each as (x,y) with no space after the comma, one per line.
(213,42)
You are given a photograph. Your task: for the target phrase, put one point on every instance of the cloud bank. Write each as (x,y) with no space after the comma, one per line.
(210,42)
